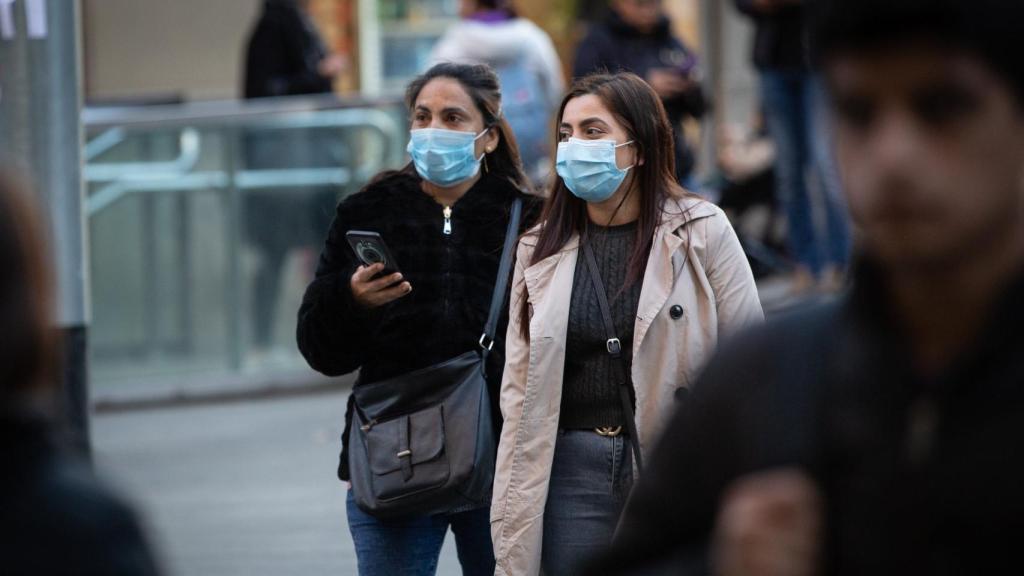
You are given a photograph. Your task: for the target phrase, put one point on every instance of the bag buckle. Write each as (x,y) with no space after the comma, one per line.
(608,431)
(404,454)
(614,346)
(486,342)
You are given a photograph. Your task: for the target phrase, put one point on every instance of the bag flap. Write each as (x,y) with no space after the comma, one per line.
(415,391)
(425,437)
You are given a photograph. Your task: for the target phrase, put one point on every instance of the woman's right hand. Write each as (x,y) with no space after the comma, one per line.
(372,293)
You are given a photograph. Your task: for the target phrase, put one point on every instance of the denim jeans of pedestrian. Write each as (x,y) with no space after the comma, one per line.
(411,546)
(590,478)
(798,120)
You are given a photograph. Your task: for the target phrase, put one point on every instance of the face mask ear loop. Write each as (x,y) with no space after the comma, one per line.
(631,166)
(483,157)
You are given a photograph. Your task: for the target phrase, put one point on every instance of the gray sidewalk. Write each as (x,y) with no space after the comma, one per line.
(245,488)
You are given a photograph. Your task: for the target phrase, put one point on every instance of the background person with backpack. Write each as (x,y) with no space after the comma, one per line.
(491,32)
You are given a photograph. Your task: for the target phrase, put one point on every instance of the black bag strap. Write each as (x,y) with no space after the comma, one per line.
(504,272)
(614,347)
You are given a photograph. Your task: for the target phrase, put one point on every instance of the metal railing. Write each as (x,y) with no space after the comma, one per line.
(175,238)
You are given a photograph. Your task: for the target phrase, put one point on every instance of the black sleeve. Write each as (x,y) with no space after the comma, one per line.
(334,332)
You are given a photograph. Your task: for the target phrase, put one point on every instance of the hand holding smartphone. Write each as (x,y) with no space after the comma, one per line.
(377,282)
(370,249)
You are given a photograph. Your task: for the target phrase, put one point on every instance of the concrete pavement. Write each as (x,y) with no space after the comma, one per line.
(245,488)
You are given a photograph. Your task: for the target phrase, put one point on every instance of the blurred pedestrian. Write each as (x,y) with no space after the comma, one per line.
(55,517)
(798,120)
(877,435)
(443,218)
(285,56)
(636,36)
(492,32)
(618,298)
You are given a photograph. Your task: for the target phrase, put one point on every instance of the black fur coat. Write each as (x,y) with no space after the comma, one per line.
(452,278)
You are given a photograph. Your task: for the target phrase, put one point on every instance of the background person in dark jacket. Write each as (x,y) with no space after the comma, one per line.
(880,435)
(55,518)
(636,37)
(795,111)
(444,222)
(286,57)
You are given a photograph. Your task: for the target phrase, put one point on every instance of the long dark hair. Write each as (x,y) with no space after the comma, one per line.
(637,107)
(481,83)
(27,338)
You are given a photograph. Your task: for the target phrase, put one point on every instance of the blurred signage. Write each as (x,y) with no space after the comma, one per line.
(35,18)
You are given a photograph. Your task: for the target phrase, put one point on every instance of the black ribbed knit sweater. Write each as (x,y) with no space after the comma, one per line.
(590,390)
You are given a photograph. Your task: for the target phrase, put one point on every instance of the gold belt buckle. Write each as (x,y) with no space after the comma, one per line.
(608,431)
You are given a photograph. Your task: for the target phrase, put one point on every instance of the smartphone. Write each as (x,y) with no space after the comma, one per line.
(370,249)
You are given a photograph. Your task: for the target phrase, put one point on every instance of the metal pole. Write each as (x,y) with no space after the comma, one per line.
(40,133)
(711,51)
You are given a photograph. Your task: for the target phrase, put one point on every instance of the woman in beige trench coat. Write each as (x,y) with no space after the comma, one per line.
(676,279)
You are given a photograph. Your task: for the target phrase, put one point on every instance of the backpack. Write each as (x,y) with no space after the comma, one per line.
(528,112)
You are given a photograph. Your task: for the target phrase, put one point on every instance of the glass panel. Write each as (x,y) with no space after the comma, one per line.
(408,31)
(206,231)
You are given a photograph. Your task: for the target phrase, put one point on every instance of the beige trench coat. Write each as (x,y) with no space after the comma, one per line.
(695,262)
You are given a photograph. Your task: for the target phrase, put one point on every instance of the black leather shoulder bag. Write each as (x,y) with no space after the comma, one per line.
(423,442)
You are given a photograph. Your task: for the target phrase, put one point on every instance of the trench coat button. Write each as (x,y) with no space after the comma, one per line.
(676,312)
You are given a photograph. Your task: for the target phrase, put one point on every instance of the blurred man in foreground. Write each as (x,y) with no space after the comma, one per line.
(882,434)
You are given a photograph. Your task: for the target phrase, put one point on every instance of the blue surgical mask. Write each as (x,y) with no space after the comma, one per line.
(444,157)
(588,168)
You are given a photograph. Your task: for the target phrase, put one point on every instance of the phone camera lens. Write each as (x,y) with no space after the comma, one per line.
(369,253)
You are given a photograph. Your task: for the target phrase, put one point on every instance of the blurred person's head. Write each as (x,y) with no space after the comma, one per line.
(27,337)
(644,15)
(470,7)
(929,103)
(467,98)
(624,111)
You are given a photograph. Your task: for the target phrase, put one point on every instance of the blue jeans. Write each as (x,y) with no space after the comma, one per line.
(590,478)
(798,120)
(411,546)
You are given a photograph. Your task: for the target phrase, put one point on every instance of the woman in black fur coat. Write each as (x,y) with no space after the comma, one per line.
(444,218)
